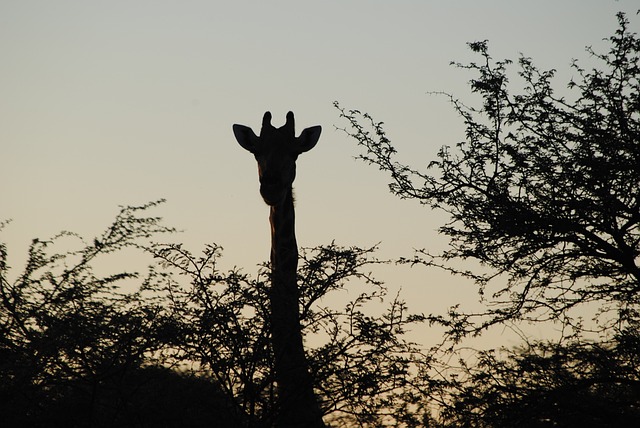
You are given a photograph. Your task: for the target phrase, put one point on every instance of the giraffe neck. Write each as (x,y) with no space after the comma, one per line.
(298,405)
(284,248)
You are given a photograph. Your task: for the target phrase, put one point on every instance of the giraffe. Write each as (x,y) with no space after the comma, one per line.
(276,151)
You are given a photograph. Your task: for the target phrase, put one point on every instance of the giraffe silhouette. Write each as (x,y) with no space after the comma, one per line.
(276,151)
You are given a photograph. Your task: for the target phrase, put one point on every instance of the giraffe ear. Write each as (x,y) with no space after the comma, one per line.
(245,137)
(308,139)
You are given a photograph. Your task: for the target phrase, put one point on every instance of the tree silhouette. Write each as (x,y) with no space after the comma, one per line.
(544,384)
(544,190)
(76,350)
(361,364)
(544,194)
(188,345)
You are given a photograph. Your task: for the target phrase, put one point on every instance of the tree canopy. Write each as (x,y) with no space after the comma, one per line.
(185,343)
(544,190)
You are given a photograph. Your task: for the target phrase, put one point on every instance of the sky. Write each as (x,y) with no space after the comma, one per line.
(104,104)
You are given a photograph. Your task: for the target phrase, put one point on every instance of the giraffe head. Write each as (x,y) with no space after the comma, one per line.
(276,150)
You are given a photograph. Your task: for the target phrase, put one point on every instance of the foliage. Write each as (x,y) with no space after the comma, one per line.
(544,191)
(364,367)
(73,343)
(544,196)
(544,384)
(360,363)
(76,349)
(218,325)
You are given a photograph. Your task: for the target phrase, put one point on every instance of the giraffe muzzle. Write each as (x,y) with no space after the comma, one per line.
(271,193)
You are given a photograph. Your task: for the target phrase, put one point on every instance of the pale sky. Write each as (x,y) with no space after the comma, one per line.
(108,103)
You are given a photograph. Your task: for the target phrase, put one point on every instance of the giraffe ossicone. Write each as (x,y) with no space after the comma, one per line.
(276,151)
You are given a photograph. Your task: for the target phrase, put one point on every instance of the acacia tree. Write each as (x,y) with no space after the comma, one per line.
(364,370)
(83,349)
(543,384)
(77,348)
(544,190)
